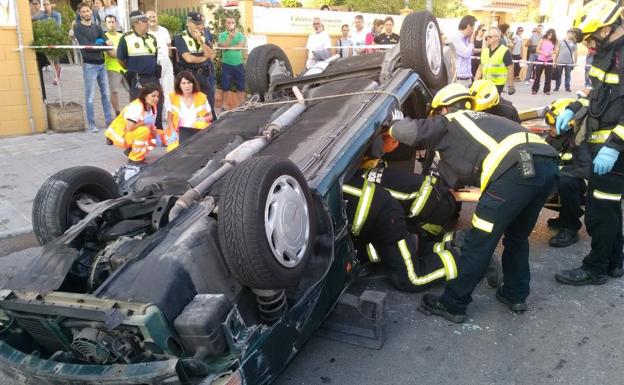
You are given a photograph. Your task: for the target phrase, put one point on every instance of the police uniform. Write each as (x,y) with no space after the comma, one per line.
(382,203)
(479,149)
(184,42)
(140,54)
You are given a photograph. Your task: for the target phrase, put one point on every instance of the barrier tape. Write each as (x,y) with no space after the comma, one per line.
(369,46)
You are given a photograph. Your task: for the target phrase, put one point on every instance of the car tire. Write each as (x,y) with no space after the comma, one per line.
(258,65)
(54,208)
(252,232)
(421,48)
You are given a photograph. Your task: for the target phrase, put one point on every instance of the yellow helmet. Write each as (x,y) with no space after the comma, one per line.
(452,94)
(485,94)
(555,108)
(595,15)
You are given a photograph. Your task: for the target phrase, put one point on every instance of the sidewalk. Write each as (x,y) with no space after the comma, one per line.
(27,161)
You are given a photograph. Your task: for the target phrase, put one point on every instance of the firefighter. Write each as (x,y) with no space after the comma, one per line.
(573,172)
(598,23)
(487,99)
(516,171)
(382,203)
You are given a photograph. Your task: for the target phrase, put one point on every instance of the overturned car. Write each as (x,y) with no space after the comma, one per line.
(217,262)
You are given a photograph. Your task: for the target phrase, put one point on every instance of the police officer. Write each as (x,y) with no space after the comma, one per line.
(516,171)
(195,55)
(574,171)
(487,99)
(599,24)
(137,52)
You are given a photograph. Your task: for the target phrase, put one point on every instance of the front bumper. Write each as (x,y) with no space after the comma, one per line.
(26,369)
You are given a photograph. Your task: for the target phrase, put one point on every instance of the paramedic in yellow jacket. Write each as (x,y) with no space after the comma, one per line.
(133,130)
(188,110)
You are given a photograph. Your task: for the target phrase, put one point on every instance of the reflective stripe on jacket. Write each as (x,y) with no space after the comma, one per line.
(171,133)
(493,67)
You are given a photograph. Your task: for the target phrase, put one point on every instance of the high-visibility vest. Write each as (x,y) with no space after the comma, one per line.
(171,133)
(111,63)
(192,45)
(139,46)
(116,132)
(493,67)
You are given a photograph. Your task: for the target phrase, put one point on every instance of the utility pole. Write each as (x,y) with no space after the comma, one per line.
(429,5)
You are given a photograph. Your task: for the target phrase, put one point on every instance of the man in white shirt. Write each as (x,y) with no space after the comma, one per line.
(464,49)
(163,40)
(358,36)
(318,44)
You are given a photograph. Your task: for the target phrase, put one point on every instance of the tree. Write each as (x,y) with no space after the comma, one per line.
(441,8)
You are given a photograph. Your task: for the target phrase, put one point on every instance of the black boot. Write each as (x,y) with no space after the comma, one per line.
(579,277)
(564,238)
(516,307)
(494,273)
(615,272)
(554,223)
(431,303)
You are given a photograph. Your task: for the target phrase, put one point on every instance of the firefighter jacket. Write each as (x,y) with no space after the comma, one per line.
(605,120)
(475,148)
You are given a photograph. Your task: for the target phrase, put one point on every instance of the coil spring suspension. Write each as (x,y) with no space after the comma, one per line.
(271,304)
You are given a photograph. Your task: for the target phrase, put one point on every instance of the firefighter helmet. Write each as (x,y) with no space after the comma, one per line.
(450,95)
(595,15)
(484,93)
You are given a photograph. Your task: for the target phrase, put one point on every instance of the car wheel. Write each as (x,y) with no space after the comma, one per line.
(421,48)
(259,63)
(61,200)
(267,223)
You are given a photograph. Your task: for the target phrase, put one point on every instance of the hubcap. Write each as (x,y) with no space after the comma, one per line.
(434,49)
(287,221)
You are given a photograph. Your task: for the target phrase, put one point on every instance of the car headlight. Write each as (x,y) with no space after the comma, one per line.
(232,378)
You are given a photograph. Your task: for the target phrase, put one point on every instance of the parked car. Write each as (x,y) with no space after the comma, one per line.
(217,262)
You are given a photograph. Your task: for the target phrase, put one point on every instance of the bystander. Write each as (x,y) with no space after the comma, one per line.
(531,45)
(477,43)
(89,34)
(358,35)
(50,13)
(344,42)
(163,39)
(387,36)
(516,51)
(566,59)
(318,44)
(114,70)
(232,69)
(464,49)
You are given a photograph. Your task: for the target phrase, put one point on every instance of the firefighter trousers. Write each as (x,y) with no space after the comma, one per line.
(603,219)
(378,224)
(571,192)
(509,206)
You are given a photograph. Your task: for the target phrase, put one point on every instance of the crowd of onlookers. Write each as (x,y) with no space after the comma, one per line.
(485,52)
(320,46)
(154,58)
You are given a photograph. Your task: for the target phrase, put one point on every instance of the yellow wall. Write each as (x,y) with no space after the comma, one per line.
(13,107)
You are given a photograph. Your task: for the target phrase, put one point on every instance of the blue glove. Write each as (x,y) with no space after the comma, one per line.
(150,120)
(604,161)
(99,41)
(159,142)
(563,120)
